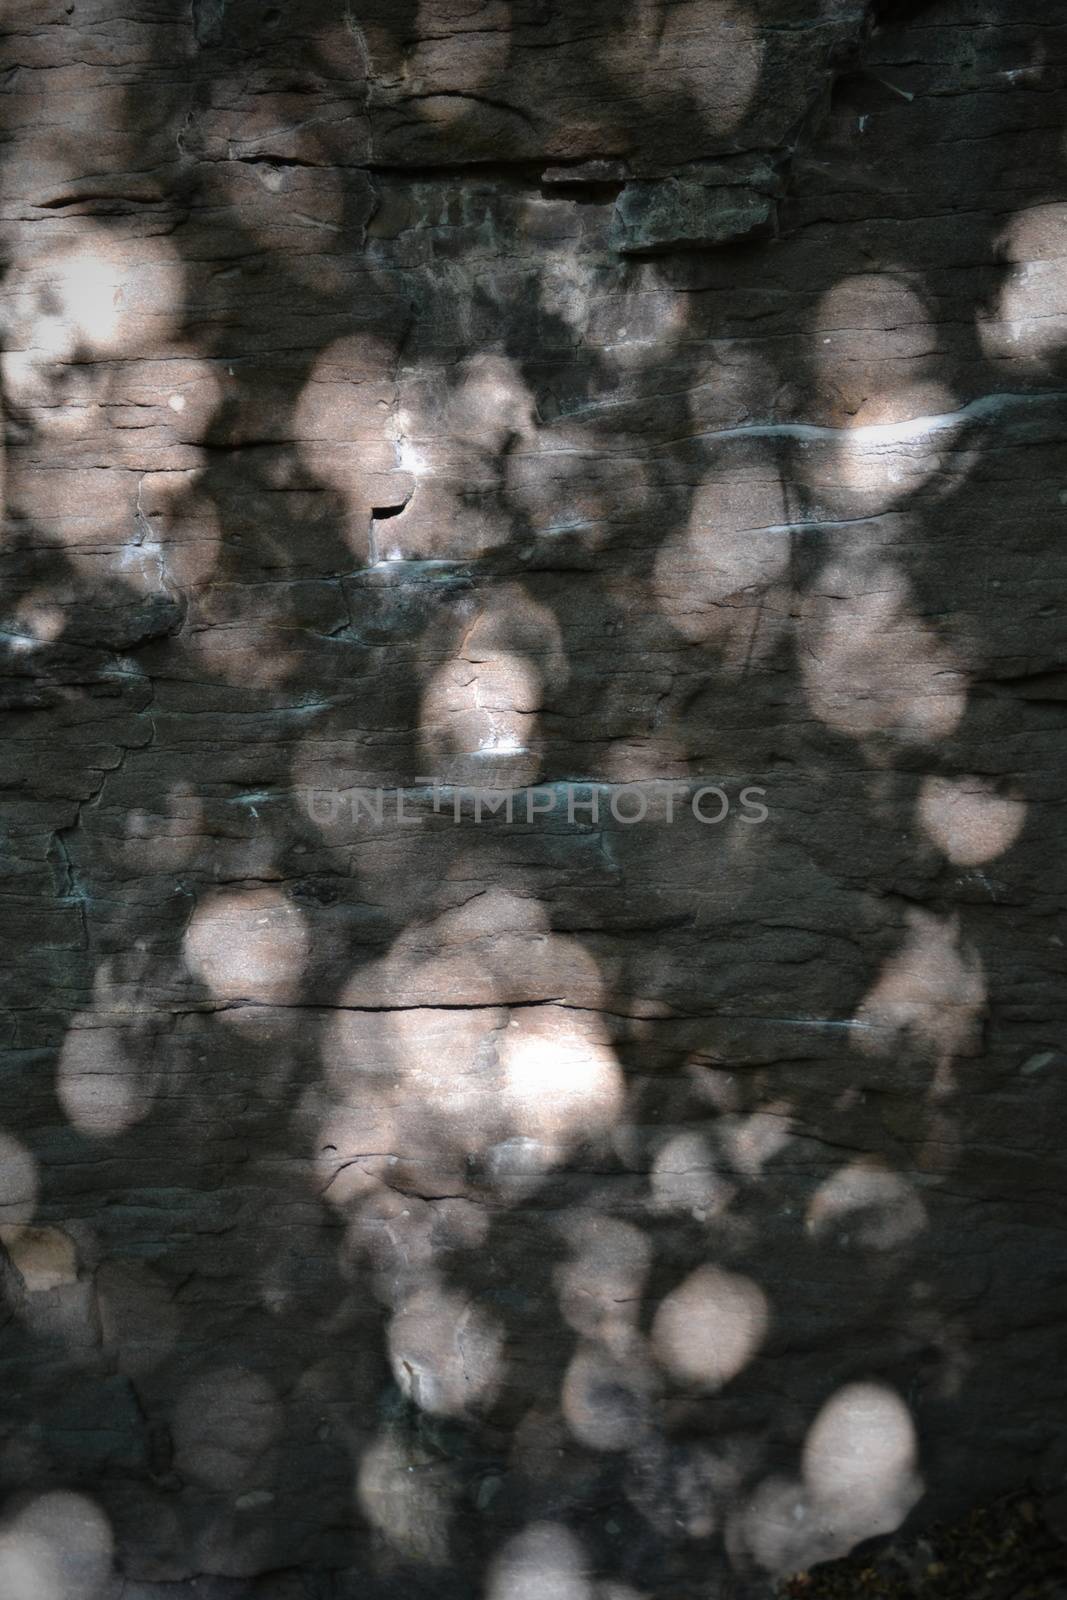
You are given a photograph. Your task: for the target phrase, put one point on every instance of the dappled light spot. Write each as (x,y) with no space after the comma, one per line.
(445,1352)
(904,420)
(753,1141)
(859,1462)
(83,303)
(407,1498)
(478,65)
(710,53)
(709,1328)
(468,435)
(684,1178)
(415,1091)
(396,1235)
(58,1547)
(968,820)
(477,720)
(600,1286)
(252,653)
(45,1257)
(864,468)
(18,1183)
(510,622)
(869,1203)
(100,1083)
(419,1047)
(869,664)
(932,993)
(868,303)
(775,1526)
(859,1479)
(544,1562)
(347,431)
(247,944)
(722,580)
(495,946)
(56,394)
(352,1144)
(518,1162)
(491,404)
(96,296)
(223,1427)
(1030,320)
(561,1080)
(42,623)
(477,410)
(607,1400)
(867,328)
(479,712)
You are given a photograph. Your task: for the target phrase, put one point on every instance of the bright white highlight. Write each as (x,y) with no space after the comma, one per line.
(561,1080)
(859,1460)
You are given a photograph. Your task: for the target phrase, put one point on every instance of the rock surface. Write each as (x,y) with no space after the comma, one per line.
(660,1189)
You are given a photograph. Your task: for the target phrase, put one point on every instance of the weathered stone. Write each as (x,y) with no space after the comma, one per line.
(676,214)
(660,1186)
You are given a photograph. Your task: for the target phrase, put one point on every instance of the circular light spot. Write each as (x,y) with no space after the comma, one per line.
(56,1548)
(407,1502)
(709,1328)
(247,945)
(869,664)
(859,1461)
(445,1353)
(968,820)
(605,1401)
(98,1082)
(718,580)
(561,1078)
(1030,323)
(545,1562)
(684,1178)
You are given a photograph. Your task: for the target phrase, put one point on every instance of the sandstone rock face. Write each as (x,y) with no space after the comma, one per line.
(653,411)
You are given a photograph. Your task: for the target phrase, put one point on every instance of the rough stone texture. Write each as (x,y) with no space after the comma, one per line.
(570,1208)
(716,203)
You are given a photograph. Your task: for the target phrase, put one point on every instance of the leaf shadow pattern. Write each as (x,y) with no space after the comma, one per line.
(571,1206)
